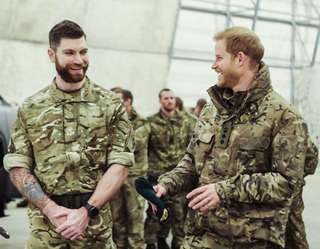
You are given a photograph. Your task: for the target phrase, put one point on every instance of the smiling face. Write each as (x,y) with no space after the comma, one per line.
(71,59)
(225,66)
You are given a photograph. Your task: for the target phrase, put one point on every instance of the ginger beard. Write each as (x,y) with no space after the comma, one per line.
(228,78)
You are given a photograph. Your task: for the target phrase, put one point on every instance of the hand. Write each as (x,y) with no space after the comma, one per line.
(75,225)
(204,198)
(160,191)
(55,213)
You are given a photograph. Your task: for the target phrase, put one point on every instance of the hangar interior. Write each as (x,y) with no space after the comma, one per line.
(146,45)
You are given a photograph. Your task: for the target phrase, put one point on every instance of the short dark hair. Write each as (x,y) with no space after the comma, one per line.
(126,94)
(64,29)
(163,90)
(116,89)
(179,103)
(201,103)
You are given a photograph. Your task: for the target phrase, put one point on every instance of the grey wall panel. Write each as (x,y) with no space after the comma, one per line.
(26,69)
(128,42)
(143,25)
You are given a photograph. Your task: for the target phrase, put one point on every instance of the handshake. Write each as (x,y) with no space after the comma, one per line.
(145,189)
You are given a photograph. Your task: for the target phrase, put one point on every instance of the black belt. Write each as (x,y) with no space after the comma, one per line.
(72,201)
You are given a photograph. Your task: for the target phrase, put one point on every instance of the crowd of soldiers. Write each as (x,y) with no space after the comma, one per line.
(231,179)
(160,142)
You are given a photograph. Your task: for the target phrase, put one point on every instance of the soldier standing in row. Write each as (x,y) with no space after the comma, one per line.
(128,206)
(180,108)
(170,135)
(245,162)
(70,148)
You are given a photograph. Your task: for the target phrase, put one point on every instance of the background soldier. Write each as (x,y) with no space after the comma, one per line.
(296,237)
(128,206)
(180,108)
(170,134)
(70,148)
(199,106)
(245,162)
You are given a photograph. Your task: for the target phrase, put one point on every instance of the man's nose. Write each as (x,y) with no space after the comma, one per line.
(214,65)
(77,58)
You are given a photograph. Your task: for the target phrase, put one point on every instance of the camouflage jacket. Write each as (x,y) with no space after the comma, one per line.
(68,140)
(252,145)
(192,119)
(141,134)
(168,141)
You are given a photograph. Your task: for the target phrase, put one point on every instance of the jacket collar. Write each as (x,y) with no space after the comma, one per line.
(85,94)
(229,102)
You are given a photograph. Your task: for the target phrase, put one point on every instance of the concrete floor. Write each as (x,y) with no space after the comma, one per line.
(17,224)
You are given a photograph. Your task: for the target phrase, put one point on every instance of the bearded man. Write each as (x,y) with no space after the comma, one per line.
(170,133)
(70,148)
(245,163)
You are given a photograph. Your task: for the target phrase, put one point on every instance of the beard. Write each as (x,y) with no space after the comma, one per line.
(67,75)
(228,79)
(169,107)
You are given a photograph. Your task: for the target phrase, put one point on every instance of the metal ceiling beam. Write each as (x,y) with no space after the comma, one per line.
(186,58)
(293,49)
(316,45)
(246,16)
(173,38)
(255,16)
(228,16)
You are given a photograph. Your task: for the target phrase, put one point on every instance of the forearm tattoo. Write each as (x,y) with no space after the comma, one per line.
(28,186)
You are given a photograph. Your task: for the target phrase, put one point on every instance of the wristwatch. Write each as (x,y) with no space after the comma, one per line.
(92,210)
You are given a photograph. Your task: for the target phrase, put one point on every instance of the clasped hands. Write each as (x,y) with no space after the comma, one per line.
(70,223)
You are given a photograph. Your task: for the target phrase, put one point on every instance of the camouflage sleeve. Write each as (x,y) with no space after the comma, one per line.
(141,136)
(288,151)
(20,153)
(184,176)
(121,144)
(312,159)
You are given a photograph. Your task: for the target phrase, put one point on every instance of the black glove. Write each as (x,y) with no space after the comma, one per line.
(145,188)
(4,233)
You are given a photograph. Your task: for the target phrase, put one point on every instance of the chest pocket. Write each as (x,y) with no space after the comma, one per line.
(253,155)
(93,134)
(203,144)
(161,136)
(46,129)
(93,123)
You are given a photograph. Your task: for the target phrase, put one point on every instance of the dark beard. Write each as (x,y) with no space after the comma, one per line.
(169,109)
(68,77)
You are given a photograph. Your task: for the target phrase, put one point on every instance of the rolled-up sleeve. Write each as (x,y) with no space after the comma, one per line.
(20,153)
(121,145)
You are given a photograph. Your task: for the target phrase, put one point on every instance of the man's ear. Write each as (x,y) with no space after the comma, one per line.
(241,58)
(52,55)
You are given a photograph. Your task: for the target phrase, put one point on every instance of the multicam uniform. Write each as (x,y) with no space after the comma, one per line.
(296,235)
(128,206)
(167,144)
(68,141)
(252,145)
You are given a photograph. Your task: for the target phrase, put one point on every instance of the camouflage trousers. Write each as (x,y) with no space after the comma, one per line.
(43,236)
(206,241)
(177,206)
(127,208)
(296,237)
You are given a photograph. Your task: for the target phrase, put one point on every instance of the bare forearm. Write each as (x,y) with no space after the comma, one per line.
(109,184)
(29,187)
